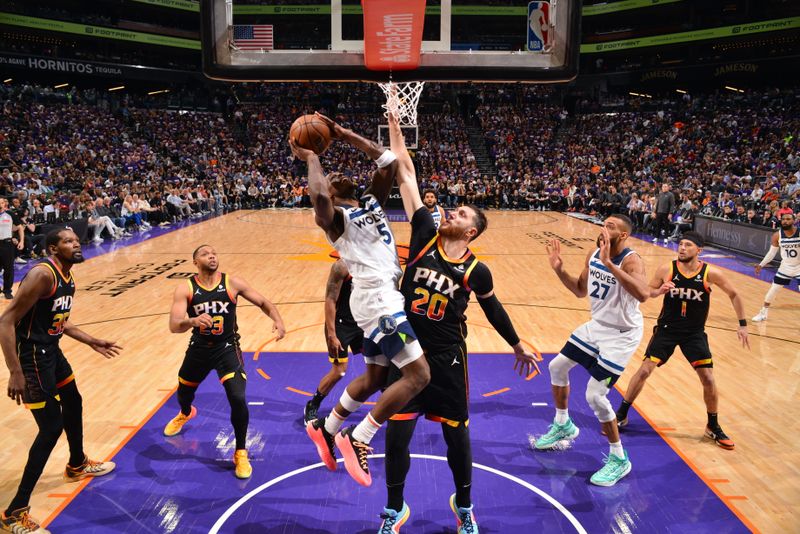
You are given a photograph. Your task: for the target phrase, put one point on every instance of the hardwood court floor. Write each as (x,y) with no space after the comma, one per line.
(126,294)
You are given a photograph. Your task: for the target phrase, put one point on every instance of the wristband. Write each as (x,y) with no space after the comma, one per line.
(385,159)
(742,322)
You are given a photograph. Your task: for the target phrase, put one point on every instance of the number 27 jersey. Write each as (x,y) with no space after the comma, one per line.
(611,304)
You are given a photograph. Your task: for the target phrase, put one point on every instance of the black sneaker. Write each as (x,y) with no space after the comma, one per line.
(8,295)
(310,411)
(622,421)
(719,437)
(323,441)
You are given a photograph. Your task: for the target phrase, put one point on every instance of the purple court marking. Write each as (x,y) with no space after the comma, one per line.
(186,483)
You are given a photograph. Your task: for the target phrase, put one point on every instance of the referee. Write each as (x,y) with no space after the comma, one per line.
(8,223)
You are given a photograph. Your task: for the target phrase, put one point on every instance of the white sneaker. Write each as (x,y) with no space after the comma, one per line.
(655,240)
(762,316)
(666,241)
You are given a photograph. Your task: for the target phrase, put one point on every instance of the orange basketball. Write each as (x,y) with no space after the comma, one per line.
(310,132)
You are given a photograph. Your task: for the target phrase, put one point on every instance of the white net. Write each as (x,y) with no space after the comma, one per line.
(402,98)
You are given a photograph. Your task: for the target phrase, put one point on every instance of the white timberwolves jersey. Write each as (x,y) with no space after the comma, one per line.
(437,217)
(367,245)
(611,304)
(790,253)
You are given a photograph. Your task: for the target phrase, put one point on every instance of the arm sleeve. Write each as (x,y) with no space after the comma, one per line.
(480,281)
(770,255)
(423,229)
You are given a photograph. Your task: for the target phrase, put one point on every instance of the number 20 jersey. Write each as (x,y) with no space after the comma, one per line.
(44,322)
(367,245)
(611,304)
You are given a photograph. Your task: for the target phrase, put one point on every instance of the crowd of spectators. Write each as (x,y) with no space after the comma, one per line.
(84,154)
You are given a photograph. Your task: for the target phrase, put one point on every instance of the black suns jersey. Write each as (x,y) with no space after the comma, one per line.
(343,313)
(437,288)
(686,305)
(219,303)
(44,322)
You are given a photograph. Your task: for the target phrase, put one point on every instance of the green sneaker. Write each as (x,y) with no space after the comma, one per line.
(613,471)
(557,433)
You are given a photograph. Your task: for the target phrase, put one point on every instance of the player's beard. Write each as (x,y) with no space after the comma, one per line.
(788,226)
(687,259)
(77,257)
(450,231)
(612,242)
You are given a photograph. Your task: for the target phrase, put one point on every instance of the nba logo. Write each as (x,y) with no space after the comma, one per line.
(540,32)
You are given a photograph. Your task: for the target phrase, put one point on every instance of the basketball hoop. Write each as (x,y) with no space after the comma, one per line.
(402,99)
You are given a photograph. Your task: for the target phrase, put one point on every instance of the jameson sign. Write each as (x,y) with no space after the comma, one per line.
(92,68)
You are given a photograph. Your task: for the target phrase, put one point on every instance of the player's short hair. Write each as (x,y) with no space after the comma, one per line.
(349,193)
(694,237)
(431,191)
(53,237)
(194,254)
(479,220)
(625,220)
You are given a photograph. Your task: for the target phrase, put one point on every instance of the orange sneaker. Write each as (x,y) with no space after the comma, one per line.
(21,522)
(174,427)
(355,454)
(89,468)
(241,462)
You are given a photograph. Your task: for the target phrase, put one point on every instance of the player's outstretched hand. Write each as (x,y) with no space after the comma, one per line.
(16,387)
(301,153)
(336,130)
(109,349)
(525,361)
(554,255)
(758,269)
(741,333)
(605,246)
(280,329)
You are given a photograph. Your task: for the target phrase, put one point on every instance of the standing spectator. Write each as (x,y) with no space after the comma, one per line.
(8,224)
(665,206)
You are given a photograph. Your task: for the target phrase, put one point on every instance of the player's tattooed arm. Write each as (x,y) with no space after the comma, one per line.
(179,320)
(326,215)
(335,280)
(37,284)
(715,277)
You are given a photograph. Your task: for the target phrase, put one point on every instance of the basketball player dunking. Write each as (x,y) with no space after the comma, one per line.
(687,282)
(359,230)
(41,377)
(439,278)
(341,332)
(436,211)
(614,280)
(206,304)
(787,240)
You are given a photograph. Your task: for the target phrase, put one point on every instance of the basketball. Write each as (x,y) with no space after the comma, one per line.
(310,132)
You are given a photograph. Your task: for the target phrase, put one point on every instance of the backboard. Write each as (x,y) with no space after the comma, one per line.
(323,40)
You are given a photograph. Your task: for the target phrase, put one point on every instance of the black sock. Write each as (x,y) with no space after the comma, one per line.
(459,458)
(317,399)
(398,460)
(240,415)
(185,398)
(622,412)
(712,421)
(72,414)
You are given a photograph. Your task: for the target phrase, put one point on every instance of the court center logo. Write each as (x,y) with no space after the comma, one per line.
(387,325)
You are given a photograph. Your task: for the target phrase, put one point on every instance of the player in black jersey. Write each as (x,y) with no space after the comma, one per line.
(41,377)
(207,306)
(341,332)
(441,274)
(686,285)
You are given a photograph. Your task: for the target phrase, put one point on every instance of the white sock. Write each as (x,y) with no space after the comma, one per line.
(616,449)
(333,422)
(562,416)
(366,429)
